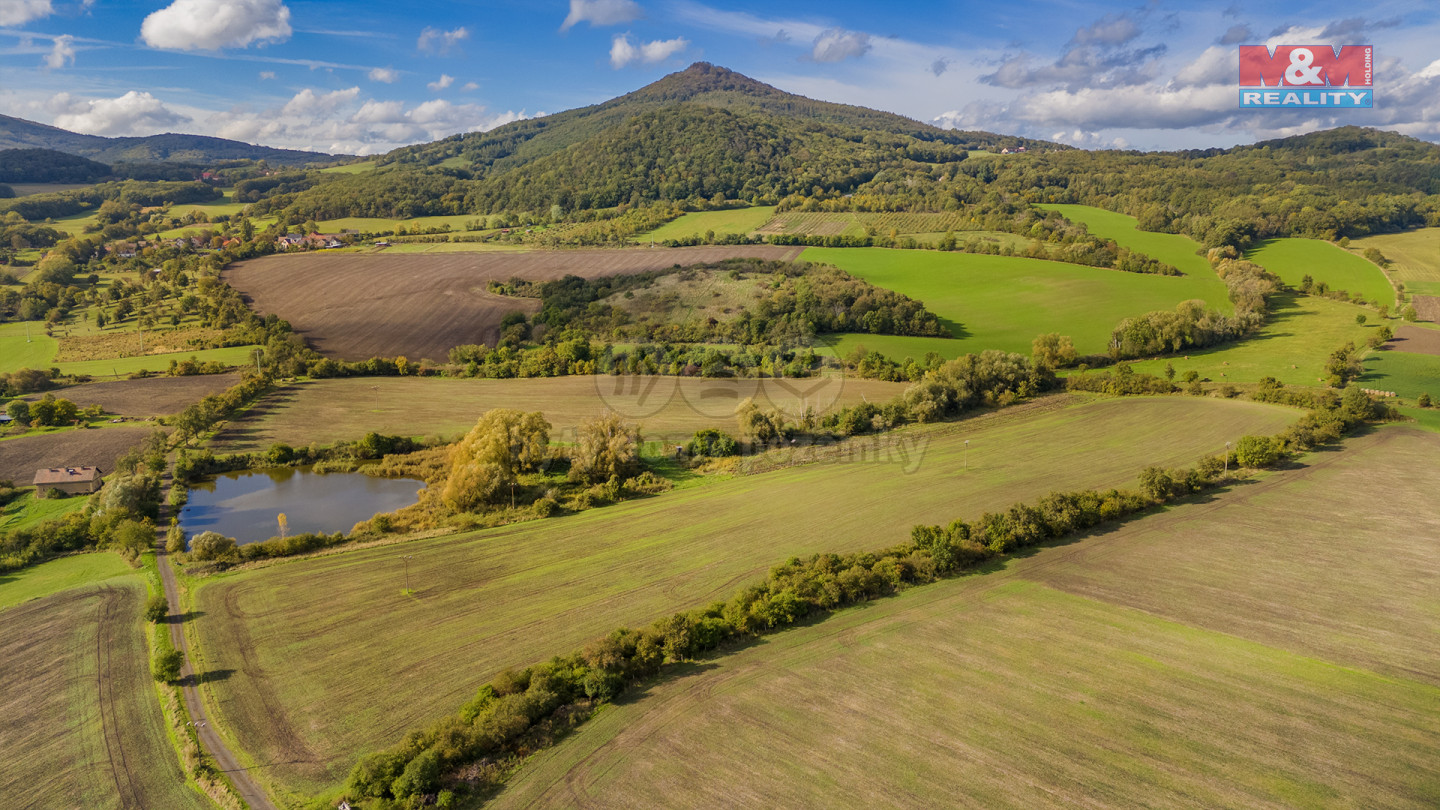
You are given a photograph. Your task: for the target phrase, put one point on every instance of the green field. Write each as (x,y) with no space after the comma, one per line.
(732,221)
(83,726)
(27,510)
(326,411)
(231,356)
(1407,374)
(1271,647)
(21,350)
(60,575)
(1414,257)
(1003,302)
(1170,248)
(363,167)
(1293,259)
(1293,346)
(329,659)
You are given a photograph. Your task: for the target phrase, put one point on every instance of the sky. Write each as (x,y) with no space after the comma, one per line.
(366,77)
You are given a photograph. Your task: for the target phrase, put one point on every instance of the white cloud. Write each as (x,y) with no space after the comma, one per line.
(385,75)
(267,75)
(131,114)
(837,45)
(434,40)
(19,12)
(624,52)
(62,50)
(601,12)
(1218,64)
(213,24)
(441,83)
(470,87)
(308,102)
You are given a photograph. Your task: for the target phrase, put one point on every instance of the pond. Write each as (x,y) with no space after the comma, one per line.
(247,506)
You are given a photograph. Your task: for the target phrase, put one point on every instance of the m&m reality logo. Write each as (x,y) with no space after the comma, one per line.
(1307,76)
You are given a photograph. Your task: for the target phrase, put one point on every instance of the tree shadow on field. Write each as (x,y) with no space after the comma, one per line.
(671,674)
(210,676)
(181,618)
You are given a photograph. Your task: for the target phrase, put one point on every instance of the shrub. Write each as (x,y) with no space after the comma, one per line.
(211,546)
(1423,400)
(156,608)
(166,666)
(1257,451)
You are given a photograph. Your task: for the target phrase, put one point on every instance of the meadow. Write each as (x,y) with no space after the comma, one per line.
(25,345)
(672,408)
(61,574)
(1175,249)
(1003,302)
(1414,257)
(742,221)
(27,510)
(1293,259)
(157,363)
(1271,646)
(1407,374)
(327,659)
(1293,346)
(80,704)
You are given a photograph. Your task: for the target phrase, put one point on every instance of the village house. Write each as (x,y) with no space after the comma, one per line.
(69,480)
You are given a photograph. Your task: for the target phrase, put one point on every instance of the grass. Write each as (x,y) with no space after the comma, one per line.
(667,408)
(19,350)
(27,510)
(1002,302)
(1293,347)
(363,167)
(63,574)
(1414,256)
(1207,657)
(328,660)
(1293,259)
(1408,375)
(731,221)
(1425,418)
(80,705)
(230,356)
(1167,247)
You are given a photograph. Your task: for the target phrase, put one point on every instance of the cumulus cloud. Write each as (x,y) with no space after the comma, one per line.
(601,12)
(1095,57)
(267,75)
(837,45)
(210,25)
(385,75)
(62,50)
(1110,30)
(470,87)
(344,121)
(131,114)
(441,83)
(434,40)
(624,52)
(19,12)
(1217,64)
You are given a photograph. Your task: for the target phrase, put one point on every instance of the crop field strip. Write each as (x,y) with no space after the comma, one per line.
(151,396)
(22,456)
(80,704)
(321,674)
(1414,257)
(668,408)
(1003,302)
(420,306)
(1293,259)
(63,574)
(1209,656)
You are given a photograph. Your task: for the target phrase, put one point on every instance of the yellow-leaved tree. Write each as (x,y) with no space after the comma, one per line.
(503,444)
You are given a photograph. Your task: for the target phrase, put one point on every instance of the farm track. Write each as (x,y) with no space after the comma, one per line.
(357,306)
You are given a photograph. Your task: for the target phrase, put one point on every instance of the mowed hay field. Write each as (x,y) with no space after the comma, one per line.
(735,221)
(82,725)
(668,408)
(151,396)
(329,660)
(421,305)
(1274,646)
(1414,257)
(1003,302)
(21,457)
(1293,259)
(1171,248)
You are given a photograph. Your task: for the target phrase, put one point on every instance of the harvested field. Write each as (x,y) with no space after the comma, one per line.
(1413,256)
(21,457)
(1427,307)
(1273,646)
(153,396)
(667,408)
(330,661)
(1415,340)
(82,722)
(359,306)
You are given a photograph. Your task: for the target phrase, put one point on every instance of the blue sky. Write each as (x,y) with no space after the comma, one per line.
(361,78)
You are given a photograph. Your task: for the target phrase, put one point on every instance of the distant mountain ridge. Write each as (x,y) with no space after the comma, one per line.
(18,133)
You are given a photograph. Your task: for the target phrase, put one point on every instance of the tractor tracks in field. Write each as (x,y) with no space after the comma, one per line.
(107,617)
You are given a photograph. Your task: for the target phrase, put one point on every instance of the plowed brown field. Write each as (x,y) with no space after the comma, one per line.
(355,307)
(152,396)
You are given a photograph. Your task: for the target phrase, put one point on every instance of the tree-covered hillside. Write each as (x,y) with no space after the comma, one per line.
(17,133)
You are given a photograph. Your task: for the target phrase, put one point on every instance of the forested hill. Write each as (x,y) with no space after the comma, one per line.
(17,133)
(702,84)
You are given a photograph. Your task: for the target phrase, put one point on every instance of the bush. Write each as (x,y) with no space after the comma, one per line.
(1423,400)
(156,608)
(211,546)
(166,666)
(1258,451)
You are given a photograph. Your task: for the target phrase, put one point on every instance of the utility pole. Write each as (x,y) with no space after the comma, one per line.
(376,389)
(1227,458)
(967,455)
(406,558)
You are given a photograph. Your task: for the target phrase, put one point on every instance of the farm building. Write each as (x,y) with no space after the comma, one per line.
(69,480)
